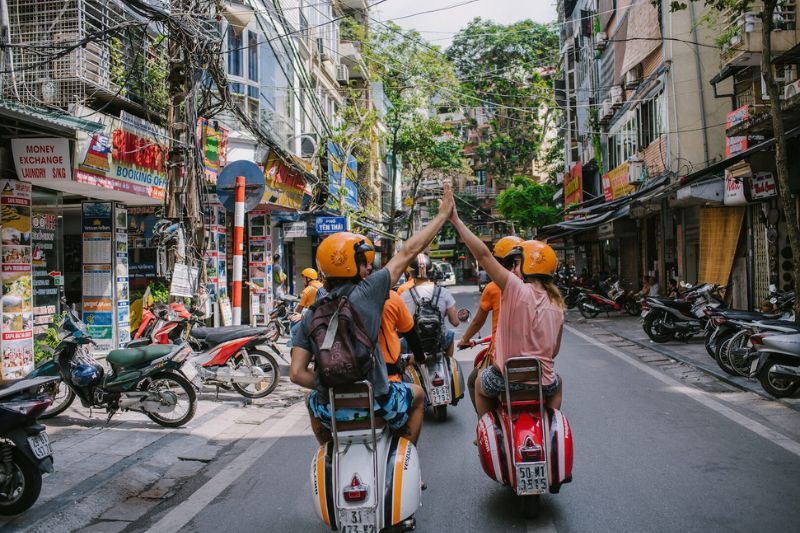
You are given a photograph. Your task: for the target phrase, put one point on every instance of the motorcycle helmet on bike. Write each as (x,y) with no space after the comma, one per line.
(337,254)
(505,245)
(85,375)
(421,267)
(309,273)
(538,258)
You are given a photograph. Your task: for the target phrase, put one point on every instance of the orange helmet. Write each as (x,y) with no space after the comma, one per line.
(309,273)
(505,245)
(336,255)
(538,258)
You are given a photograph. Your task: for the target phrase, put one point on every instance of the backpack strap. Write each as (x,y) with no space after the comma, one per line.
(437,291)
(330,333)
(414,296)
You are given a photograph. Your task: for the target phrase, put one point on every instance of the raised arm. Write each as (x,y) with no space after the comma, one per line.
(419,241)
(479,250)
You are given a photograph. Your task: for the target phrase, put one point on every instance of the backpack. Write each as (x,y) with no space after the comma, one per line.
(428,321)
(343,349)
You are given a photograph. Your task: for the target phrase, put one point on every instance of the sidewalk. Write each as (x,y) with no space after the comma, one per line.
(692,353)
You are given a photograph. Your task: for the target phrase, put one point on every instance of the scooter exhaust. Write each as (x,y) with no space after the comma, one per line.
(785,371)
(251,376)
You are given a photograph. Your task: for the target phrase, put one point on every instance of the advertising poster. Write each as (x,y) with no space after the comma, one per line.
(121,275)
(214,256)
(285,186)
(16,280)
(214,139)
(259,261)
(99,273)
(47,274)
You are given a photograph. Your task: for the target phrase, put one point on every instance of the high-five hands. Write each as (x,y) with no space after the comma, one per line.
(447,205)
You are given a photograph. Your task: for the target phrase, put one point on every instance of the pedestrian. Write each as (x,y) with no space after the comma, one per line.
(655,290)
(278,277)
(672,289)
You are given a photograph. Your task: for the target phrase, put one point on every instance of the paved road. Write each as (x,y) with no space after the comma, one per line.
(651,454)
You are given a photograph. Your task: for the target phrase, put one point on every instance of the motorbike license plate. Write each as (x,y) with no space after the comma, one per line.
(531,478)
(357,521)
(189,370)
(440,395)
(40,445)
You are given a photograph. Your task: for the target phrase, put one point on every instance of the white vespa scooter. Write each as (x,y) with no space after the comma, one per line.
(365,480)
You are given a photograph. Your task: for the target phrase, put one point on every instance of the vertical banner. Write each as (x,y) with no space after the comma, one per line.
(260,267)
(99,273)
(121,275)
(16,291)
(214,256)
(47,274)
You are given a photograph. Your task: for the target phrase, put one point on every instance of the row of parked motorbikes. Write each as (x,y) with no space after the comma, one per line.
(610,295)
(764,345)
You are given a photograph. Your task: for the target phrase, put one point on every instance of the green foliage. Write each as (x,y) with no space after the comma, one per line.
(50,339)
(528,204)
(119,71)
(427,145)
(500,68)
(160,292)
(156,71)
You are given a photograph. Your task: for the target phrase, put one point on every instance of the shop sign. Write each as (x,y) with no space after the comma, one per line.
(342,185)
(214,141)
(128,157)
(439,254)
(616,184)
(295,230)
(734,190)
(328,225)
(735,145)
(762,186)
(285,186)
(16,280)
(737,116)
(573,186)
(41,160)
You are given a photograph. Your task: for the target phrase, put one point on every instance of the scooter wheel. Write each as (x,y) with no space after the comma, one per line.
(530,505)
(656,331)
(63,398)
(440,413)
(776,386)
(272,374)
(587,311)
(24,489)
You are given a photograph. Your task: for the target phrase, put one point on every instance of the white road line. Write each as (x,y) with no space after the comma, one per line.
(540,525)
(265,436)
(701,397)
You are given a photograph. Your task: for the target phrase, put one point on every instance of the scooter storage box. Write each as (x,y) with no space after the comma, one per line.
(496,454)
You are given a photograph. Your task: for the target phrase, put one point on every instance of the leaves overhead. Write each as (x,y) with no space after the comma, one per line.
(528,204)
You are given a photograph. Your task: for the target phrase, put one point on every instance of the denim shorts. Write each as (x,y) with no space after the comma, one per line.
(494,384)
(393,408)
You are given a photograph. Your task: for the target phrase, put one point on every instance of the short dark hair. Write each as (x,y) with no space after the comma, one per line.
(276,257)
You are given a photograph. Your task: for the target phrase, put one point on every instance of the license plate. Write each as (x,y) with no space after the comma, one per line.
(189,370)
(40,445)
(531,478)
(440,395)
(357,521)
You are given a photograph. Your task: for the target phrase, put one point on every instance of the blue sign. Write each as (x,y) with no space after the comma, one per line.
(342,178)
(327,225)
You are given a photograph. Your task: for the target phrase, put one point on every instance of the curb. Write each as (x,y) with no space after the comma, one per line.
(722,376)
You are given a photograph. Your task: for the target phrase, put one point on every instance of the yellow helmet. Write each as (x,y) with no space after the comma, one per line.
(336,255)
(538,258)
(309,273)
(505,245)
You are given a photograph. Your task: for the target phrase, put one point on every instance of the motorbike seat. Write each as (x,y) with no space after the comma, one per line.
(130,357)
(780,324)
(203,332)
(737,314)
(215,336)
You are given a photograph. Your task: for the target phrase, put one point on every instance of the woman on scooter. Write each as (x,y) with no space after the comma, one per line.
(531,316)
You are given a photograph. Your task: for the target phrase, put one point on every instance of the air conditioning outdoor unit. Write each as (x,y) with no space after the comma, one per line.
(342,74)
(607,109)
(636,171)
(791,90)
(633,78)
(617,96)
(600,40)
(781,78)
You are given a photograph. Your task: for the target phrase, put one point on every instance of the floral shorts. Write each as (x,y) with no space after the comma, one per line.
(393,408)
(494,384)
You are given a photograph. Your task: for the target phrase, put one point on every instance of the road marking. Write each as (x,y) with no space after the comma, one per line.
(540,526)
(701,397)
(265,436)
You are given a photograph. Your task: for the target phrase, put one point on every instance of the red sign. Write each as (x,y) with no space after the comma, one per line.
(573,186)
(737,116)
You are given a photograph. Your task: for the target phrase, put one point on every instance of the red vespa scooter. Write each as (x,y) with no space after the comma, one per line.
(523,444)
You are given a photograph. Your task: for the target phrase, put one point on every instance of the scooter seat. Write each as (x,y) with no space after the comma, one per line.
(202,333)
(215,336)
(131,357)
(736,314)
(780,324)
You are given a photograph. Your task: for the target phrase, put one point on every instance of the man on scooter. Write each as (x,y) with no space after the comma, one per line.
(490,301)
(346,261)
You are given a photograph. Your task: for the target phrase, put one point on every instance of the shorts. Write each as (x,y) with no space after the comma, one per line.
(393,408)
(494,384)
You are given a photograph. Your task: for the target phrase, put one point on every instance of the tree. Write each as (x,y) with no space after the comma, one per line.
(788,205)
(528,204)
(504,71)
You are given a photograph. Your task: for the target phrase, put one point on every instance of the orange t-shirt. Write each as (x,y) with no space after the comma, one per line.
(490,301)
(309,294)
(405,286)
(395,317)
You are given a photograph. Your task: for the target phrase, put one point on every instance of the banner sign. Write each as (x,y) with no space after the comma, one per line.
(573,185)
(342,185)
(47,275)
(260,267)
(734,190)
(16,280)
(214,141)
(39,160)
(616,184)
(285,186)
(295,230)
(737,144)
(762,186)
(328,225)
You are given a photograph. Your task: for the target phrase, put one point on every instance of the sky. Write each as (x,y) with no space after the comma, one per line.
(440,26)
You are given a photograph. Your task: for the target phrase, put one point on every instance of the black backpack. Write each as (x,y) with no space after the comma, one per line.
(428,321)
(342,347)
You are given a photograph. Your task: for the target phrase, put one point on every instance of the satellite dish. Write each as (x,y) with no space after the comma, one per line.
(254,184)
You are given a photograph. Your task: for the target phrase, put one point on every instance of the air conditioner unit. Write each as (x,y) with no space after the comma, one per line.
(607,109)
(308,145)
(342,74)
(600,40)
(633,78)
(791,90)
(617,96)
(636,170)
(782,77)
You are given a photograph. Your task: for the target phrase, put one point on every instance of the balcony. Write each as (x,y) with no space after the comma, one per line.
(350,55)
(479,191)
(741,39)
(112,69)
(359,5)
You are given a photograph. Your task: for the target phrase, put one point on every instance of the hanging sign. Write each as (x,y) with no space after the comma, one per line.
(40,160)
(573,185)
(328,225)
(616,183)
(295,230)
(734,190)
(762,186)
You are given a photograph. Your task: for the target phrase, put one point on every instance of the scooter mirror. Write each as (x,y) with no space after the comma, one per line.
(463,315)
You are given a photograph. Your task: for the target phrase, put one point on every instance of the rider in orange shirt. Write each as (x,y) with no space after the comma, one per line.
(490,301)
(396,319)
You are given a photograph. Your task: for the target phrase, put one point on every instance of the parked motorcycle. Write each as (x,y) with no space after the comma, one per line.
(154,380)
(666,318)
(590,304)
(522,444)
(366,479)
(279,324)
(777,365)
(733,353)
(25,451)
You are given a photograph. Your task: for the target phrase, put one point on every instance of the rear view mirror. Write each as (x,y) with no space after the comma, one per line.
(463,315)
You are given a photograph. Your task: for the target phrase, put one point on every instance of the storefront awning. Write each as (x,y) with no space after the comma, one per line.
(49,118)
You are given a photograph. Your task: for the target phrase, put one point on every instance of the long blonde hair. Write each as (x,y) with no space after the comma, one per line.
(552,290)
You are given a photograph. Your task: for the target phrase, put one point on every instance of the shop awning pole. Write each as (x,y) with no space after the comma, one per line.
(238,250)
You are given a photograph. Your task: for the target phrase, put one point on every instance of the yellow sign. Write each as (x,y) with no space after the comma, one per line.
(616,183)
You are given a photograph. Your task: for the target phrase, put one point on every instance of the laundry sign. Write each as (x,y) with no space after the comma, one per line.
(39,160)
